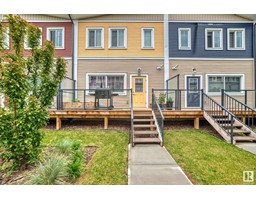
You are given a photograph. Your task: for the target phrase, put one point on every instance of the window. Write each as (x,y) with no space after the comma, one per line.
(213,39)
(117,38)
(110,80)
(184,38)
(56,35)
(236,39)
(232,83)
(6,39)
(95,38)
(26,42)
(147,38)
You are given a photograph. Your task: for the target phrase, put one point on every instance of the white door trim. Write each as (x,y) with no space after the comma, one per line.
(146,75)
(201,87)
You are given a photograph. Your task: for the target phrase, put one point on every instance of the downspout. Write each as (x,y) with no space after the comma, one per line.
(73,58)
(166,50)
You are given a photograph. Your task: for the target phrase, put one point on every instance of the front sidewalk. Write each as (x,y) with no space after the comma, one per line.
(153,165)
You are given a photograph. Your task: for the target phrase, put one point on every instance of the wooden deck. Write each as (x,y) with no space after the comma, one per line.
(120,114)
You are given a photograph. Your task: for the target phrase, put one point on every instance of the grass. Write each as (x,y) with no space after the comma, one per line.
(108,165)
(208,160)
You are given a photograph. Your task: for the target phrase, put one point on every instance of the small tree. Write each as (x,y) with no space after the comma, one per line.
(29,83)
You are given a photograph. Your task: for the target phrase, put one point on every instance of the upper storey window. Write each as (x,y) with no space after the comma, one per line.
(118,38)
(6,39)
(95,38)
(184,38)
(213,39)
(236,39)
(147,38)
(56,35)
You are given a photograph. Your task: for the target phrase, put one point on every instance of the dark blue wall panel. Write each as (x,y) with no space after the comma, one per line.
(198,41)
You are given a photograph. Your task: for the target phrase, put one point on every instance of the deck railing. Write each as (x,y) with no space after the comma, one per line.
(158,116)
(85,99)
(220,114)
(238,108)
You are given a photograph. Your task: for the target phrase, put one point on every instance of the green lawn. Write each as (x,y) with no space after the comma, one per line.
(208,160)
(109,163)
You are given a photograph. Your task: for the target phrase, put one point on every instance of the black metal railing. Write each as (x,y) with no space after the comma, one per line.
(239,109)
(178,99)
(219,114)
(132,118)
(86,99)
(159,117)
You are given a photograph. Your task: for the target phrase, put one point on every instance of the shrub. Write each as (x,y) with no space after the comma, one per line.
(75,166)
(51,172)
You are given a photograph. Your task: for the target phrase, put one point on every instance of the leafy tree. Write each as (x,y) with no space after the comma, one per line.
(29,83)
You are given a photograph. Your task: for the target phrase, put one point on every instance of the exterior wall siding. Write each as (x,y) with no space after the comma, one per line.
(38,17)
(138,17)
(155,77)
(215,67)
(198,41)
(133,41)
(206,17)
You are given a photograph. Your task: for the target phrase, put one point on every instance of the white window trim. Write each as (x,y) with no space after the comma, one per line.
(87,37)
(41,40)
(107,74)
(221,38)
(189,38)
(152,38)
(242,84)
(63,35)
(243,38)
(110,38)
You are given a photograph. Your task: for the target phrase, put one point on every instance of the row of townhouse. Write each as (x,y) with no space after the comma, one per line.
(210,52)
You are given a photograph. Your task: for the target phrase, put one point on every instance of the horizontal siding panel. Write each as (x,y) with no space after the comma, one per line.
(206,17)
(198,41)
(138,17)
(133,40)
(38,17)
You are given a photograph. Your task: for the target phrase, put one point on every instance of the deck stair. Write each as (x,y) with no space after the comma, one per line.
(144,128)
(226,123)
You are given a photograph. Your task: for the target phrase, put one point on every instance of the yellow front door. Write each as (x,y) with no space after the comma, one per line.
(139,91)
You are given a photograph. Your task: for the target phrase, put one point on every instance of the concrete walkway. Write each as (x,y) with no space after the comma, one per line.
(248,146)
(153,165)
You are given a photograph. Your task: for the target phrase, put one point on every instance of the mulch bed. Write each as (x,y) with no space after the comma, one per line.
(18,177)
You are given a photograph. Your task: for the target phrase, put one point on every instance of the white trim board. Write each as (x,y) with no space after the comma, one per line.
(185,58)
(118,58)
(146,75)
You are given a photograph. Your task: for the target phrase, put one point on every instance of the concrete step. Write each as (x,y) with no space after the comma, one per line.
(244,138)
(147,140)
(144,126)
(145,132)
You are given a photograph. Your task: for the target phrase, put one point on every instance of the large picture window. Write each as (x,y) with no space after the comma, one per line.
(230,83)
(213,39)
(115,81)
(56,35)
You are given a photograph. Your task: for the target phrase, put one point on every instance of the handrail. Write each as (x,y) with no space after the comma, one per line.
(132,118)
(158,120)
(239,107)
(217,110)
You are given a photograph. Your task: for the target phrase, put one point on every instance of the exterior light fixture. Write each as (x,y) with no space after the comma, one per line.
(139,71)
(159,67)
(194,70)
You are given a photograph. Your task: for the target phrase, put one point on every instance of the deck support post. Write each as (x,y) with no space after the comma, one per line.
(58,123)
(196,123)
(105,122)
